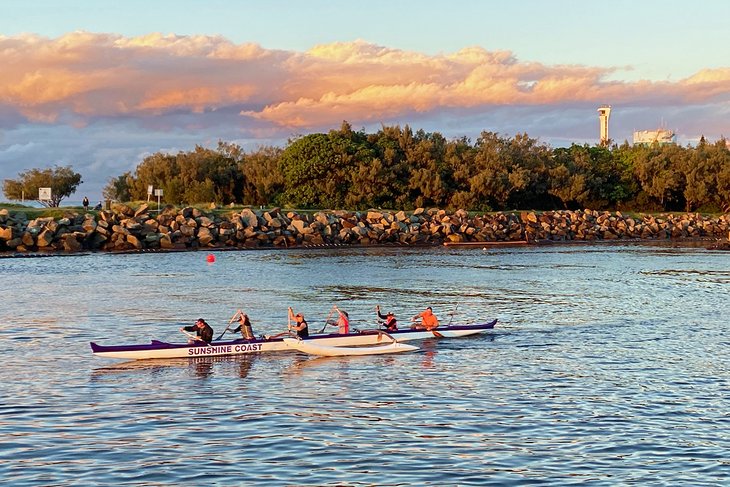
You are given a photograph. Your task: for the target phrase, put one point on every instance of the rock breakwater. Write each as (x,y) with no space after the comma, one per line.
(125,228)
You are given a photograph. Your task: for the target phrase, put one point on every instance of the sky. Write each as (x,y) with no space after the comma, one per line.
(99,85)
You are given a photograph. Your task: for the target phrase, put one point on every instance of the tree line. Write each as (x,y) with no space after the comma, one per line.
(399,168)
(404,169)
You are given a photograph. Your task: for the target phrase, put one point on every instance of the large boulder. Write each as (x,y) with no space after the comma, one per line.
(249,218)
(28,239)
(205,237)
(6,234)
(142,210)
(300,225)
(134,242)
(70,243)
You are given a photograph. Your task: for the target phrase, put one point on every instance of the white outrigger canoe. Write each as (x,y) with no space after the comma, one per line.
(313,348)
(158,349)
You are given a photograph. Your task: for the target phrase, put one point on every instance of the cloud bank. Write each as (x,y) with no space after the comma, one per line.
(166,90)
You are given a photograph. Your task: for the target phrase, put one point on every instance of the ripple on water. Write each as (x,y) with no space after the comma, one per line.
(608,366)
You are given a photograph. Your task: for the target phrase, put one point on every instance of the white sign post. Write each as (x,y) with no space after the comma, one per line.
(44,194)
(158,193)
(149,192)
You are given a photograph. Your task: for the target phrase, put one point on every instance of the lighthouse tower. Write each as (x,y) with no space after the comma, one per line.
(604,112)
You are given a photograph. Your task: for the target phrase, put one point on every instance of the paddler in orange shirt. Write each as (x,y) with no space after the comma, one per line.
(428,320)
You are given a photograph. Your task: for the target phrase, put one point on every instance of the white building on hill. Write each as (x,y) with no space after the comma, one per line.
(660,136)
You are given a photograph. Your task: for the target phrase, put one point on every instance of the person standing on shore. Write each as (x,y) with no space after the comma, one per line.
(86,203)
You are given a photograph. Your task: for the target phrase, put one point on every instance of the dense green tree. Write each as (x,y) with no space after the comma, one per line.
(119,188)
(390,144)
(658,173)
(628,187)
(490,183)
(509,172)
(209,175)
(699,177)
(568,184)
(367,189)
(459,158)
(264,181)
(398,168)
(159,171)
(62,180)
(429,173)
(720,162)
(317,168)
(529,176)
(306,164)
(589,177)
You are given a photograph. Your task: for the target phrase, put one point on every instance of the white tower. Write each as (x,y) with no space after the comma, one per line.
(604,111)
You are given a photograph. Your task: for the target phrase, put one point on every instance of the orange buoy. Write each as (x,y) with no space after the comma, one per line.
(211,258)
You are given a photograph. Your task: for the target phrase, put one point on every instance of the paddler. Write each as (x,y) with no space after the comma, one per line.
(428,320)
(244,326)
(300,326)
(343,321)
(202,329)
(389,321)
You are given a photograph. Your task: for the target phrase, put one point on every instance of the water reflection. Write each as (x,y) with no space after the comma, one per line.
(201,367)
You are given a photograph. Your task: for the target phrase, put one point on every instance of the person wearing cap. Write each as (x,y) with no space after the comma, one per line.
(428,320)
(244,326)
(202,329)
(300,326)
(388,318)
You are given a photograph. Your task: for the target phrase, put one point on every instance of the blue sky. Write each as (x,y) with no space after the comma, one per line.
(654,61)
(658,39)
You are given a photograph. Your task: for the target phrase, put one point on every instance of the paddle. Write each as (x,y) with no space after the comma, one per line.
(194,337)
(229,324)
(379,320)
(452,314)
(326,321)
(288,328)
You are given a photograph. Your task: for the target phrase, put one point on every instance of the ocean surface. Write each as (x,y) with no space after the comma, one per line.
(610,365)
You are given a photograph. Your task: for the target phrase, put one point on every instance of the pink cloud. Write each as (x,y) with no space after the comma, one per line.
(82,76)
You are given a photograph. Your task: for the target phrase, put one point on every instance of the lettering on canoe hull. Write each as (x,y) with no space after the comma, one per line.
(225,349)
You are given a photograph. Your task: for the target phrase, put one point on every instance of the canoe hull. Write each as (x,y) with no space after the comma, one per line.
(163,350)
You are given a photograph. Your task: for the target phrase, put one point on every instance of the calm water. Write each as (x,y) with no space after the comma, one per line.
(609,365)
